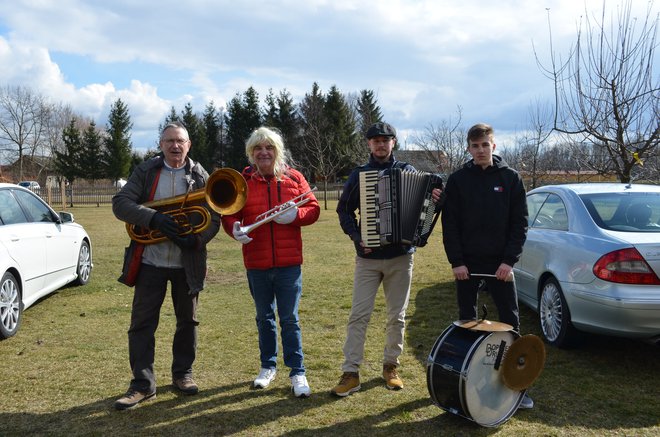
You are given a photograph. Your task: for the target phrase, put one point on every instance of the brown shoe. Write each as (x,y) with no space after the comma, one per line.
(186,385)
(132,398)
(392,379)
(349,383)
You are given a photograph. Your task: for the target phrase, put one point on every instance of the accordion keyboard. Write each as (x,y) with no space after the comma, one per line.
(369,208)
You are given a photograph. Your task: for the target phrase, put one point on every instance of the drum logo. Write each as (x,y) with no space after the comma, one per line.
(492,352)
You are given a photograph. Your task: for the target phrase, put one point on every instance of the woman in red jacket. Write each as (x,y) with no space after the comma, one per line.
(272,252)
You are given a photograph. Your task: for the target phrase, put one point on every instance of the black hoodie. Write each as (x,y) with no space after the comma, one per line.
(484,217)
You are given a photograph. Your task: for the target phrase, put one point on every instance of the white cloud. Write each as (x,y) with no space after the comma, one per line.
(423,57)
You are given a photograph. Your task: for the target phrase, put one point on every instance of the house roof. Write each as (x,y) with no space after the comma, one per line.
(422,160)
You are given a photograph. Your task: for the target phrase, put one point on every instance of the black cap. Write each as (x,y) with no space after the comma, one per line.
(381,129)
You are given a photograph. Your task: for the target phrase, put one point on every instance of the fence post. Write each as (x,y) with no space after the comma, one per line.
(63,193)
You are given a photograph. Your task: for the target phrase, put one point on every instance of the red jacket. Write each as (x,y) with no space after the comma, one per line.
(273,244)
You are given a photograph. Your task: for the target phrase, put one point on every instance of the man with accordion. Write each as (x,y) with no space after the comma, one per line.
(386,257)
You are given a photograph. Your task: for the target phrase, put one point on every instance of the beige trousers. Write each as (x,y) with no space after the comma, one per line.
(395,275)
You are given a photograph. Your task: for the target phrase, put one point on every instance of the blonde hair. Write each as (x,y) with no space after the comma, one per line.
(271,136)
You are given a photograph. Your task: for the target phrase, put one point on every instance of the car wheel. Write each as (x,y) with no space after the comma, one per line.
(10,306)
(554,316)
(84,269)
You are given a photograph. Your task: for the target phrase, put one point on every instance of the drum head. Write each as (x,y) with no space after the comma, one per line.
(487,400)
(483,325)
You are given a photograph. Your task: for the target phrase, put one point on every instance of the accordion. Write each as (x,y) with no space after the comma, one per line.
(396,206)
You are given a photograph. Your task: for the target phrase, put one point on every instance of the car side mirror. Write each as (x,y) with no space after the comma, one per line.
(65,217)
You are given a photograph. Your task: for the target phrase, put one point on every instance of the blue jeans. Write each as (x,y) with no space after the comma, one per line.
(280,288)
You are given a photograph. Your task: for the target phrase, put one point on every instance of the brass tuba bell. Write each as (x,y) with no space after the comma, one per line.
(225,192)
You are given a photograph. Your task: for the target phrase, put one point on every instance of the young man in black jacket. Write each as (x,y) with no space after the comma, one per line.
(484,227)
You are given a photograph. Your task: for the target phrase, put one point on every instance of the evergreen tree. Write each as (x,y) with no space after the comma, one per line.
(118,146)
(197,135)
(212,126)
(341,129)
(91,154)
(288,122)
(271,113)
(67,161)
(242,117)
(368,111)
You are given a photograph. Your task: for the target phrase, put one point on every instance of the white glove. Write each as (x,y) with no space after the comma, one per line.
(239,235)
(287,217)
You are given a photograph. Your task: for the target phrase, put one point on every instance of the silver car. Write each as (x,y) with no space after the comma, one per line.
(40,251)
(591,261)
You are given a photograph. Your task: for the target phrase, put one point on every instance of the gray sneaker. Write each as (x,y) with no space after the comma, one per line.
(132,398)
(526,403)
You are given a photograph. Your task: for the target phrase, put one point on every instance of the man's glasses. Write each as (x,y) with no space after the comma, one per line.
(178,142)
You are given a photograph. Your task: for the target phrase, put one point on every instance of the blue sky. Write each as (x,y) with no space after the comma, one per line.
(422,58)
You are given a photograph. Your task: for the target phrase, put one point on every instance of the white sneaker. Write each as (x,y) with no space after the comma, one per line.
(264,378)
(300,386)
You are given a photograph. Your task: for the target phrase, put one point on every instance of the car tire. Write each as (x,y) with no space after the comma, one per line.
(11,306)
(554,316)
(84,268)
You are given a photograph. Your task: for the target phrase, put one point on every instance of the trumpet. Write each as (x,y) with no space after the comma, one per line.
(225,192)
(277,211)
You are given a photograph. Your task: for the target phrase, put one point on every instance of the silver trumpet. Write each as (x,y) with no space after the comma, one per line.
(277,211)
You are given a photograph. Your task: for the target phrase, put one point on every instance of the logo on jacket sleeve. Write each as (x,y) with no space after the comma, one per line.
(498,188)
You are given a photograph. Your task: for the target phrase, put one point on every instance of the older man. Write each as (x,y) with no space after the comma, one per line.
(179,260)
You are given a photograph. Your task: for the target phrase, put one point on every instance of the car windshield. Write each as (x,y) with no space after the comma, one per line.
(627,212)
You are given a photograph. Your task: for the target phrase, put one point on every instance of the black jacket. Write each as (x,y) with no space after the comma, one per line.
(349,202)
(127,206)
(484,217)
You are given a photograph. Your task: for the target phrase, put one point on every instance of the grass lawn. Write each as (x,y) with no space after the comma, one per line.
(68,363)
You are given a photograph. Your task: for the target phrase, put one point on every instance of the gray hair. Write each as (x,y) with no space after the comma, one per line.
(273,137)
(173,125)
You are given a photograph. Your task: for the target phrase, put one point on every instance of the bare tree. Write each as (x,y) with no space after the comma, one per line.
(606,93)
(22,115)
(533,143)
(444,143)
(320,157)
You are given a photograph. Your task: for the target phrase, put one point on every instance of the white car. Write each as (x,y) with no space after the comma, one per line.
(30,185)
(40,251)
(591,261)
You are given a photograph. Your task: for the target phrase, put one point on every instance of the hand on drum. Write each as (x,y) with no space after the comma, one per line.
(504,271)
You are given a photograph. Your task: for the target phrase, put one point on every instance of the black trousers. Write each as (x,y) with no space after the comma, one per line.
(504,295)
(150,291)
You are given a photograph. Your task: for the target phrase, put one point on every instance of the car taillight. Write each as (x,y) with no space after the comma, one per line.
(626,266)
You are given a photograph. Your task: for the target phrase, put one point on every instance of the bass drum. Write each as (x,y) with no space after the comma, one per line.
(462,374)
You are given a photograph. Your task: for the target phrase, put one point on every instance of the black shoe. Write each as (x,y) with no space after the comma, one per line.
(132,398)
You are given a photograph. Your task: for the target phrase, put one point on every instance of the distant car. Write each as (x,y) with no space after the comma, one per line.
(40,251)
(30,185)
(591,261)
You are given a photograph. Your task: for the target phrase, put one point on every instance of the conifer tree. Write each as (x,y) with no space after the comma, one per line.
(67,161)
(91,154)
(118,146)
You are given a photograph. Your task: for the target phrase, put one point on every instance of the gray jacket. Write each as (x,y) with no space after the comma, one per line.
(127,206)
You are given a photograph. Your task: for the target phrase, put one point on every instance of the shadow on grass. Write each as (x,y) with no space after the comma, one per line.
(607,383)
(216,412)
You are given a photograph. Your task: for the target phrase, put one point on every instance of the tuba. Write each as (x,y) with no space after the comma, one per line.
(225,192)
